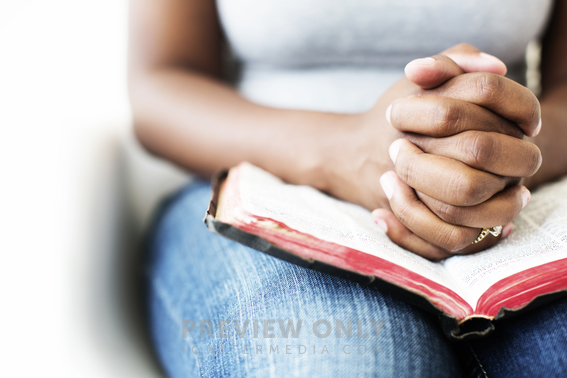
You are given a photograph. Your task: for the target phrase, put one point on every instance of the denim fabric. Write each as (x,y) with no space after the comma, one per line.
(530,345)
(197,280)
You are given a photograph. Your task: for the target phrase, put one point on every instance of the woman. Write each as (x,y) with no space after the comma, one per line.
(322,100)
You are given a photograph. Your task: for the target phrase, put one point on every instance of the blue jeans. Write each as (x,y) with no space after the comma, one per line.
(219,309)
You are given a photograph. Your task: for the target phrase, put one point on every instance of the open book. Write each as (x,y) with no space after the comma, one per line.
(306,227)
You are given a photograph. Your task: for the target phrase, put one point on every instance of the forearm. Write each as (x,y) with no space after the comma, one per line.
(552,139)
(204,125)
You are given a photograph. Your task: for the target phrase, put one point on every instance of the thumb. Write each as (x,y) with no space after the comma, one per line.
(471,59)
(434,71)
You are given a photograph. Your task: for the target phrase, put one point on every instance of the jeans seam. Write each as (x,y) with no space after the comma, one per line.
(478,361)
(164,298)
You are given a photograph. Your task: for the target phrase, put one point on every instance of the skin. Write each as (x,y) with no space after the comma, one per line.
(478,167)
(183,111)
(550,140)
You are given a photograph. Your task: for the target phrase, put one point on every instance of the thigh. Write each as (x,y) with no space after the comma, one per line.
(218,308)
(533,344)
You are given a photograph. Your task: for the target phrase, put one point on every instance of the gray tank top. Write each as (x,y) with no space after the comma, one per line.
(339,55)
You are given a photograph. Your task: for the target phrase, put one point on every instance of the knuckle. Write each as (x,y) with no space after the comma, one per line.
(449,213)
(405,212)
(455,240)
(406,168)
(465,46)
(488,86)
(461,47)
(479,149)
(447,118)
(466,189)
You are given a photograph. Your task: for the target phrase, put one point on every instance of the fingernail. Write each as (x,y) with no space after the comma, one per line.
(394,149)
(423,61)
(388,112)
(507,230)
(387,184)
(538,128)
(526,195)
(490,57)
(380,222)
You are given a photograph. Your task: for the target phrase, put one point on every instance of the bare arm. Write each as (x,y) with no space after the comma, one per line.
(185,113)
(553,137)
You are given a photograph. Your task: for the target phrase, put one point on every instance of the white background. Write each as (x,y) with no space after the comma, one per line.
(64,236)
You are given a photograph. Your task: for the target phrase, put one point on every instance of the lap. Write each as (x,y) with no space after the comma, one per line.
(201,278)
(533,344)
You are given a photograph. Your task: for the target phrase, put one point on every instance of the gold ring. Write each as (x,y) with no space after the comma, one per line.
(495,231)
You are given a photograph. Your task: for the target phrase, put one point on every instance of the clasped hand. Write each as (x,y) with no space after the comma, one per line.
(454,131)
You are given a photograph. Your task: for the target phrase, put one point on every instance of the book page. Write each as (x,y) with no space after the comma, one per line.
(539,237)
(309,211)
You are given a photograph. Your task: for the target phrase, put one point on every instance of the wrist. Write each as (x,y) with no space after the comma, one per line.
(332,152)
(304,147)
(354,158)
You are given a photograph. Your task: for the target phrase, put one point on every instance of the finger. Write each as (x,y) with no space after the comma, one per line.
(503,96)
(403,237)
(432,71)
(487,151)
(443,116)
(442,178)
(471,59)
(435,70)
(488,241)
(501,209)
(399,234)
(417,217)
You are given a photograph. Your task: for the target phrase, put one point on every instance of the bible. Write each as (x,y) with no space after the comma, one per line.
(469,293)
